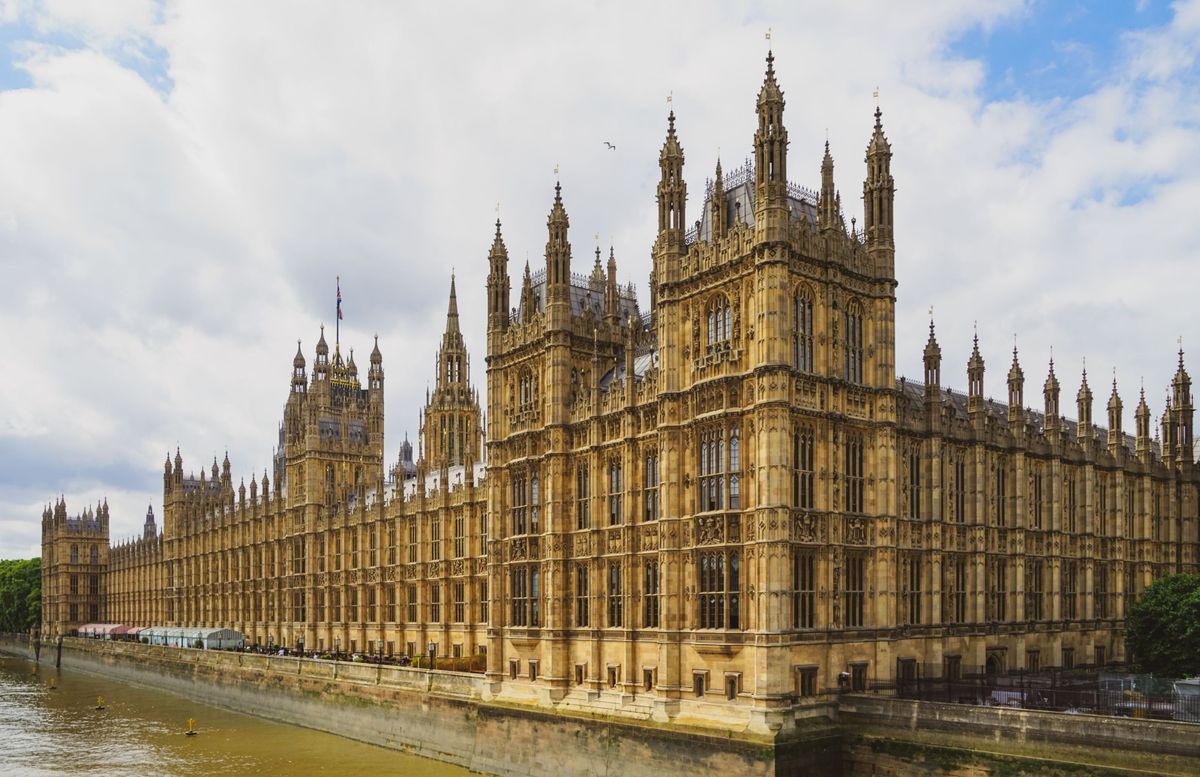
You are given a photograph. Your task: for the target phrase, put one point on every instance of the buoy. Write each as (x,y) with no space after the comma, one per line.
(53,684)
(99,703)
(35,668)
(191,729)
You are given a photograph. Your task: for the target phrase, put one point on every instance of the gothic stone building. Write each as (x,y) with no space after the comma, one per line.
(713,507)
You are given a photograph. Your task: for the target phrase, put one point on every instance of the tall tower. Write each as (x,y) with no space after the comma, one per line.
(450,428)
(74,563)
(331,438)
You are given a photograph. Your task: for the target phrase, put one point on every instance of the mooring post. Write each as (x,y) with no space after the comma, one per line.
(37,647)
(58,656)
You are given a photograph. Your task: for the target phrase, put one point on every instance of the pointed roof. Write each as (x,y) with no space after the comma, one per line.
(376,356)
(1085,393)
(322,346)
(976,360)
(298,362)
(932,349)
(1051,384)
(452,309)
(498,248)
(671,148)
(1114,399)
(879,142)
(770,91)
(1015,373)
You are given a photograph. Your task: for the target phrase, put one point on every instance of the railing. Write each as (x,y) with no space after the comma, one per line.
(1086,690)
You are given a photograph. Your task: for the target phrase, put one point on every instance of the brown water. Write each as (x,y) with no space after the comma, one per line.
(46,731)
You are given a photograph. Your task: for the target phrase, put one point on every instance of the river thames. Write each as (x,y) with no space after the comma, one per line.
(57,731)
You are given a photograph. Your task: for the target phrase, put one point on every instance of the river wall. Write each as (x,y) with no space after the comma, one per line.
(448,716)
(437,714)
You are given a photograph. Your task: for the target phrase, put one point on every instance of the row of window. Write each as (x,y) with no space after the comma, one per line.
(1003,499)
(956,586)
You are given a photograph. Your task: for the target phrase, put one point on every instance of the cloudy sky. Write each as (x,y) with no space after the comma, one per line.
(181,183)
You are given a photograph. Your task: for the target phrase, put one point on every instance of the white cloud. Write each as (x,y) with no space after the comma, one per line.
(168,245)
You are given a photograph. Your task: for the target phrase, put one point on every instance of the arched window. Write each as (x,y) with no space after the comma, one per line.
(719,589)
(719,324)
(534,503)
(526,390)
(720,464)
(74,554)
(94,555)
(802,331)
(853,320)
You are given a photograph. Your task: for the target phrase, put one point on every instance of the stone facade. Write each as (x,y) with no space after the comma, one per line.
(713,508)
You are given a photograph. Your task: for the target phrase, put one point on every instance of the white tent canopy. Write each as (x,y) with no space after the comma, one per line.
(177,636)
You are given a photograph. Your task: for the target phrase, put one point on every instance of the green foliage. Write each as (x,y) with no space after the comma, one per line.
(20,594)
(1162,629)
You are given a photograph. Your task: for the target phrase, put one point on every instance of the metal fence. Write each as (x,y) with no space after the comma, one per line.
(1090,690)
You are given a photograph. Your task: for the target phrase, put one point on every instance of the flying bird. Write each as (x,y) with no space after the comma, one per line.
(611,147)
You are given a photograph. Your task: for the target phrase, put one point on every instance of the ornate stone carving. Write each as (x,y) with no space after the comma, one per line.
(856,531)
(709,531)
(805,528)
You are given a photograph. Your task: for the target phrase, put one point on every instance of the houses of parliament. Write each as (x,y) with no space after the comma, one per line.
(715,502)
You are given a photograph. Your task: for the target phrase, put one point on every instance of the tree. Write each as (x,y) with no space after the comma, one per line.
(20,594)
(1162,629)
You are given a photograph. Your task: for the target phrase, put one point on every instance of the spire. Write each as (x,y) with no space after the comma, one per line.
(879,196)
(452,310)
(933,363)
(718,208)
(770,145)
(1083,402)
(1016,389)
(612,299)
(1050,393)
(672,191)
(975,377)
(376,354)
(529,303)
(558,255)
(1115,411)
(828,214)
(497,282)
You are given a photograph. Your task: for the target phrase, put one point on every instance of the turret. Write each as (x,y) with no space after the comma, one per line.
(299,380)
(612,298)
(1083,405)
(1141,419)
(558,263)
(375,371)
(718,208)
(1114,419)
(975,380)
(149,528)
(770,160)
(933,367)
(1050,393)
(672,219)
(1184,413)
(879,195)
(498,283)
(829,209)
(321,368)
(1016,392)
(1168,446)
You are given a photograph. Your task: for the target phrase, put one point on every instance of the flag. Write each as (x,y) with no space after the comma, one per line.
(339,299)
